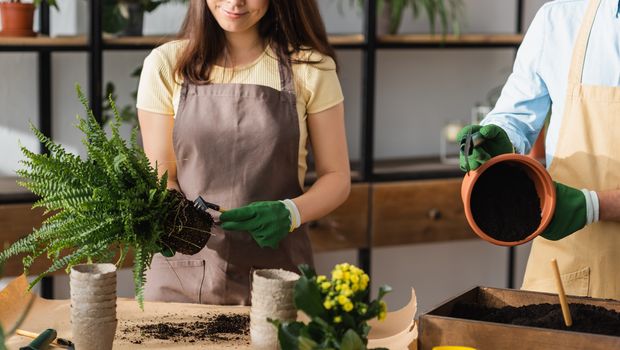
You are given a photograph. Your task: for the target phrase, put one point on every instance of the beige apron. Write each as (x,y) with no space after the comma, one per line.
(587,156)
(234,144)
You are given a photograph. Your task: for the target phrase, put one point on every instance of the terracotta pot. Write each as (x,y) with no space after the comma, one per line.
(536,172)
(17,19)
(538,150)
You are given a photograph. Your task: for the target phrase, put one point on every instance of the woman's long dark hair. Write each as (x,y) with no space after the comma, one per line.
(289,25)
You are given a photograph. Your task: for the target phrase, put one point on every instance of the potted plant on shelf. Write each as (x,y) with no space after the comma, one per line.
(125,17)
(390,12)
(17,17)
(110,202)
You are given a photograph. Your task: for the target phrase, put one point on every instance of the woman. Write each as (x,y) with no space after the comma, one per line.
(227,111)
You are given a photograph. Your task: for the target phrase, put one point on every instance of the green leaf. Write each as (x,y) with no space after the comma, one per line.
(2,346)
(288,334)
(307,271)
(308,299)
(307,344)
(352,341)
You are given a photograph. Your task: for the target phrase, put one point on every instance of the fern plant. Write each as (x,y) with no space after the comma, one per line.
(112,199)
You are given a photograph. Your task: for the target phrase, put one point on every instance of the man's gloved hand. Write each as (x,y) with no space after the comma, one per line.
(267,222)
(571,212)
(496,142)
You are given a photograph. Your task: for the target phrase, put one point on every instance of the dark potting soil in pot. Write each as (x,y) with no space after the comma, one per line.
(505,204)
(218,328)
(586,318)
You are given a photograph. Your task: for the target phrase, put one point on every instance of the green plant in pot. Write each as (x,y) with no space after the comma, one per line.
(125,17)
(105,206)
(448,13)
(337,308)
(18,17)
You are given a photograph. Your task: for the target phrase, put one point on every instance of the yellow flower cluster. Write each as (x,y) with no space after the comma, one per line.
(346,280)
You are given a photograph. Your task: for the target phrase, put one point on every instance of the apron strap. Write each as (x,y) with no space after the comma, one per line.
(581,43)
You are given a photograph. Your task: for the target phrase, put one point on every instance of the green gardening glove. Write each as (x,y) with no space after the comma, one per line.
(570,213)
(496,142)
(267,222)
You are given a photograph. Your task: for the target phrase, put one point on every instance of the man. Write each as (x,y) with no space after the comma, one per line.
(569,62)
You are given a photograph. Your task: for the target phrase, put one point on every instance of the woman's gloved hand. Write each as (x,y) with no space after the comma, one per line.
(267,222)
(496,142)
(574,209)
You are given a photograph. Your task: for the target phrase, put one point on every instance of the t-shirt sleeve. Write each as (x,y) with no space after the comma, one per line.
(156,86)
(322,87)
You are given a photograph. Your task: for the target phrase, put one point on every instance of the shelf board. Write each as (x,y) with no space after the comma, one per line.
(152,41)
(78,42)
(347,41)
(137,42)
(464,40)
(414,169)
(11,192)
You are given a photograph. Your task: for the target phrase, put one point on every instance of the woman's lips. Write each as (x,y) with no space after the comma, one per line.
(233,15)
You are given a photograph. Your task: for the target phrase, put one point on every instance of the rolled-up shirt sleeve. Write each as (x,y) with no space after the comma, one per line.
(524,102)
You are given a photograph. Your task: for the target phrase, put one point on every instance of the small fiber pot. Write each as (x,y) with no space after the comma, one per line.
(545,188)
(272,297)
(93,306)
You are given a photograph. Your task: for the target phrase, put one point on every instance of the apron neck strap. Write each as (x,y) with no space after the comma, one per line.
(581,43)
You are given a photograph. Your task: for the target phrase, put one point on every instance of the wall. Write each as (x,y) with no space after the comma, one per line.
(418,91)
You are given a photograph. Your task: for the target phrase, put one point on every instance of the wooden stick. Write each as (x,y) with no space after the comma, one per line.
(59,342)
(560,287)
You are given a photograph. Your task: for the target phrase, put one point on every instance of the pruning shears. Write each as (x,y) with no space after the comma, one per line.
(468,143)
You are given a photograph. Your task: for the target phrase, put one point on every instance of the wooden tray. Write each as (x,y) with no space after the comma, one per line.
(438,328)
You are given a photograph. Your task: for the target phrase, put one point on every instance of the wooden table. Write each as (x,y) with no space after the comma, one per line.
(56,314)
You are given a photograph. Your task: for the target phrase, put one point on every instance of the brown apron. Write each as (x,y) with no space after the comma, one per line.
(586,157)
(234,144)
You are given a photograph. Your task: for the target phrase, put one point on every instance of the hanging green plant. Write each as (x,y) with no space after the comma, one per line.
(448,13)
(106,205)
(125,17)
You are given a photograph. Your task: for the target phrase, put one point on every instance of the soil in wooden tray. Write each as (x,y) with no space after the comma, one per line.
(218,328)
(586,318)
(505,204)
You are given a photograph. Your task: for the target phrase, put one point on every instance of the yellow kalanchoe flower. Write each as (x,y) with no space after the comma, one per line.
(348,307)
(343,299)
(383,312)
(325,286)
(337,319)
(328,304)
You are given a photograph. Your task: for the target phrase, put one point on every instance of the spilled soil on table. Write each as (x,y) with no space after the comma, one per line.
(211,328)
(586,318)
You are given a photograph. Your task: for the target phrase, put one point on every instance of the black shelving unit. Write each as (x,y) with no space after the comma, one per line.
(94,45)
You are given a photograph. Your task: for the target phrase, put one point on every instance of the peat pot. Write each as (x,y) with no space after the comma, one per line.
(440,328)
(544,188)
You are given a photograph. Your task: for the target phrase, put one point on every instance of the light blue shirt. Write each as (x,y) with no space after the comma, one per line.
(540,72)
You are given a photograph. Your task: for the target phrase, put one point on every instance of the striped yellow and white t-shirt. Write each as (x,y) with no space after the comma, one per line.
(316,84)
